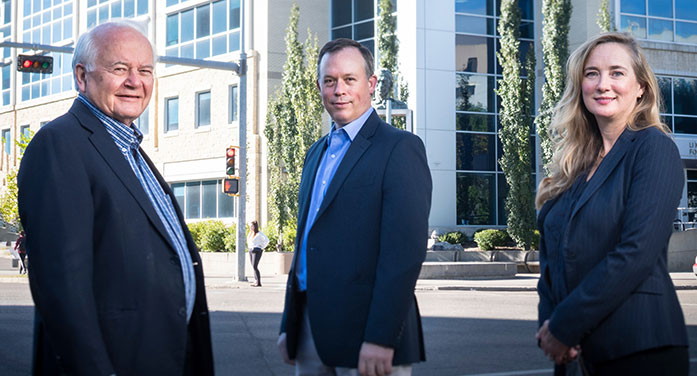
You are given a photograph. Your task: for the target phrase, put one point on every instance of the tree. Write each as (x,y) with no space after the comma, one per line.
(293,123)
(555,52)
(516,122)
(388,48)
(8,199)
(604,19)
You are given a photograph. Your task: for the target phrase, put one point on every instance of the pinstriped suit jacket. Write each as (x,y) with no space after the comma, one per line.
(618,298)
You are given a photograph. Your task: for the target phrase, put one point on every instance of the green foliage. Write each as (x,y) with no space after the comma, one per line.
(293,123)
(388,52)
(555,52)
(489,239)
(8,199)
(604,18)
(516,121)
(287,238)
(454,237)
(213,236)
(388,44)
(535,240)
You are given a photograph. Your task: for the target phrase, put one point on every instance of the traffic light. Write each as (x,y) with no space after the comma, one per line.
(35,63)
(230,161)
(231,186)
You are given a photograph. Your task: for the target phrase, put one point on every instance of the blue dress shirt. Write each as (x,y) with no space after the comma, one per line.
(338,143)
(128,140)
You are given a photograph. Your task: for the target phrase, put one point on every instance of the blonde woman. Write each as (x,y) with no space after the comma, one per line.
(605,216)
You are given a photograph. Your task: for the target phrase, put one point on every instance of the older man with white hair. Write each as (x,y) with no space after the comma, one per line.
(116,278)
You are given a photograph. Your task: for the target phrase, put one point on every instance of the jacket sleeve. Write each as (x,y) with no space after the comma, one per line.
(56,210)
(544,291)
(406,203)
(651,198)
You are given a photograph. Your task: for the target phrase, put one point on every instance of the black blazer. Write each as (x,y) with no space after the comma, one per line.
(105,278)
(620,298)
(365,248)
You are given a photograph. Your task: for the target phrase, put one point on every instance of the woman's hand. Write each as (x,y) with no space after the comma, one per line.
(553,348)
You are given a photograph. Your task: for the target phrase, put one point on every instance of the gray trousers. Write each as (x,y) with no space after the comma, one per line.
(308,363)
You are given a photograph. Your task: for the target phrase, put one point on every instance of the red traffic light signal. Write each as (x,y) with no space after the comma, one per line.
(230,161)
(231,186)
(35,63)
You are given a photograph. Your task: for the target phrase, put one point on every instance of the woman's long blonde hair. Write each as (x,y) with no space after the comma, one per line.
(574,131)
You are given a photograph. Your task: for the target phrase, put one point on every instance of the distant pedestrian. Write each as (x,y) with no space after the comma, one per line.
(256,241)
(21,248)
(606,213)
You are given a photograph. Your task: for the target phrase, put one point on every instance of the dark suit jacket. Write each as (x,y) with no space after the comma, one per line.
(620,298)
(105,278)
(365,249)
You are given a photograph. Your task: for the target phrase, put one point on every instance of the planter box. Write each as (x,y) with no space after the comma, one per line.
(224,264)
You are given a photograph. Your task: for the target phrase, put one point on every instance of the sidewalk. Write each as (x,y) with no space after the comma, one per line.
(521,282)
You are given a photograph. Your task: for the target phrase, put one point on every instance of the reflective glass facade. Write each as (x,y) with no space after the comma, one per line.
(661,20)
(480,184)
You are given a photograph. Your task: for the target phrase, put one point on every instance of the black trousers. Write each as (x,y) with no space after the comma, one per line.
(254,257)
(668,361)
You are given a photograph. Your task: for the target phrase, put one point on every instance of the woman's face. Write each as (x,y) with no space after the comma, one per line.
(610,88)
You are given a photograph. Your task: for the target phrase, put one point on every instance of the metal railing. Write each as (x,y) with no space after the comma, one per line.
(686,219)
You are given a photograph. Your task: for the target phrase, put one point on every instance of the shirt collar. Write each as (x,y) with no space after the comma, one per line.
(355,126)
(120,132)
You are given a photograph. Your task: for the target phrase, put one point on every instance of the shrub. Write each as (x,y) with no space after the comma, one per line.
(213,236)
(488,239)
(196,229)
(454,237)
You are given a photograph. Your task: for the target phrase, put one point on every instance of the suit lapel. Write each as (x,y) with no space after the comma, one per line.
(358,146)
(106,147)
(606,167)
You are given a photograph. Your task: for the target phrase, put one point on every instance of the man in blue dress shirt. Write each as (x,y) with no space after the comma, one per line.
(116,278)
(363,208)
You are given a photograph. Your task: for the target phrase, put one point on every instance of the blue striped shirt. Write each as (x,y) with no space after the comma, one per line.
(128,140)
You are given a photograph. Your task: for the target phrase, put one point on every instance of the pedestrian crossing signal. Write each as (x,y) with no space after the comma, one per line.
(231,186)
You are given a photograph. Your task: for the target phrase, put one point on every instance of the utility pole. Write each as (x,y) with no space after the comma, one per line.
(242,199)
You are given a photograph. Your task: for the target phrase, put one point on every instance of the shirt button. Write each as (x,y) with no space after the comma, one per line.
(333,155)
(324,182)
(317,209)
(124,150)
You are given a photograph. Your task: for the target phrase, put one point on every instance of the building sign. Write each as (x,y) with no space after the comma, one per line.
(687,147)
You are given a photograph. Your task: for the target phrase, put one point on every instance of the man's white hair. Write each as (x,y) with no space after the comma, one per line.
(86,48)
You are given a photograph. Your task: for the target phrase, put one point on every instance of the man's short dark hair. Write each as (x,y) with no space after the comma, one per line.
(341,43)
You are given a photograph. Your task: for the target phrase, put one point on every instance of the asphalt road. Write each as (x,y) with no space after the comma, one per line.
(467,332)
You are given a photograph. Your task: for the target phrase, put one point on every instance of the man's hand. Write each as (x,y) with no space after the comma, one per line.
(375,360)
(553,348)
(281,343)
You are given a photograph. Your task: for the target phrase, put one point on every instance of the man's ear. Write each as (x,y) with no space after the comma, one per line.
(81,78)
(372,81)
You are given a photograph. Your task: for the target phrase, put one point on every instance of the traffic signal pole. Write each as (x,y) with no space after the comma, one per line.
(242,128)
(241,71)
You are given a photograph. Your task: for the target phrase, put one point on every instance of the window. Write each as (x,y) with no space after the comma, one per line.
(24,135)
(143,122)
(204,199)
(355,19)
(233,104)
(207,30)
(50,23)
(6,72)
(480,184)
(664,20)
(171,114)
(41,125)
(679,96)
(6,26)
(203,109)
(692,189)
(106,10)
(7,141)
